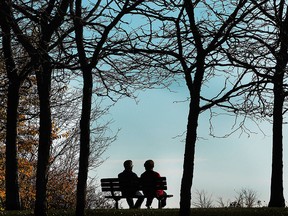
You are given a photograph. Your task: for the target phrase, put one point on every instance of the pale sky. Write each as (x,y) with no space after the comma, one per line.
(223,166)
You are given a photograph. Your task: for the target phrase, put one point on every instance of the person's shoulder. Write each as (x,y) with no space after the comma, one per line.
(134,174)
(120,174)
(156,174)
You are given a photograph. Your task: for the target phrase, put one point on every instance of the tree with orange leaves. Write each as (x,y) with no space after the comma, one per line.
(62,175)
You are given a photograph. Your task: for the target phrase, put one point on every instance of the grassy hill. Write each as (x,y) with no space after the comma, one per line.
(164,212)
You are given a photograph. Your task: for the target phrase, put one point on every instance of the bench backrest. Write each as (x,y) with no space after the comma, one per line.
(113,185)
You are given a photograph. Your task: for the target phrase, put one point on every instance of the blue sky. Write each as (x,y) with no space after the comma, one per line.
(223,166)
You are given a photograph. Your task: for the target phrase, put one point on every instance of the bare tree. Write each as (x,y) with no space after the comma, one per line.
(245,198)
(222,203)
(250,197)
(105,19)
(203,200)
(16,70)
(265,48)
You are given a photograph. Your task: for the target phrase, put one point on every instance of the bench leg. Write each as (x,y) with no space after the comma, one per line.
(116,204)
(159,204)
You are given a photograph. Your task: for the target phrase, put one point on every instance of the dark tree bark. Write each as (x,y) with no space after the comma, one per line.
(276,196)
(189,158)
(11,170)
(45,140)
(191,134)
(276,192)
(85,143)
(12,184)
(48,28)
(85,115)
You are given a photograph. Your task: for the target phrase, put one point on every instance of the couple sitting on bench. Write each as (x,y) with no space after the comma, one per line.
(129,181)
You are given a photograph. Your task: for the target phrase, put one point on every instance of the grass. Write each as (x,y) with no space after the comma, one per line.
(164,212)
(197,212)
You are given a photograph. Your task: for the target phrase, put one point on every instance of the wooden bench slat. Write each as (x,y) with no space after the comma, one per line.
(110,184)
(109,179)
(109,189)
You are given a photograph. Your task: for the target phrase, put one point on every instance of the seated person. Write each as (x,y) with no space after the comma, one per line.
(128,183)
(148,178)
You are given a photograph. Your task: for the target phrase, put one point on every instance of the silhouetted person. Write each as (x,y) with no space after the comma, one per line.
(128,183)
(148,178)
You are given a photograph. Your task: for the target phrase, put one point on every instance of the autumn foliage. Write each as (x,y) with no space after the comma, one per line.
(62,181)
(61,185)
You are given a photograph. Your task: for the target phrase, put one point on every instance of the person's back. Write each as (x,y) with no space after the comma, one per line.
(149,180)
(129,185)
(128,182)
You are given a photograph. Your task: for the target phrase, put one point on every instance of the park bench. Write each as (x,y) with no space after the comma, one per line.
(112,185)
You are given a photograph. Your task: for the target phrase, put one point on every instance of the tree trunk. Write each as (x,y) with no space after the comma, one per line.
(188,167)
(11,178)
(84,142)
(191,136)
(276,193)
(11,170)
(45,141)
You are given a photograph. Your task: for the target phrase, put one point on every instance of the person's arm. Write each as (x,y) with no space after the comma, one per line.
(159,193)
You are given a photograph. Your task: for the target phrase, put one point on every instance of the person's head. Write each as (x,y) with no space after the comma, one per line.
(149,165)
(128,164)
